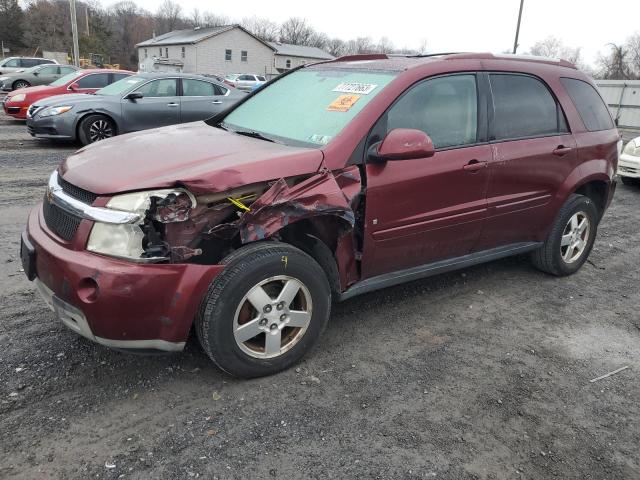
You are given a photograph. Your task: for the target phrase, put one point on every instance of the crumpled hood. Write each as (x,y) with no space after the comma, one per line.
(204,159)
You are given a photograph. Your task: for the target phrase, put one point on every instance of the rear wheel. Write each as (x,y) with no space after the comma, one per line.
(569,243)
(20,84)
(95,128)
(632,182)
(264,311)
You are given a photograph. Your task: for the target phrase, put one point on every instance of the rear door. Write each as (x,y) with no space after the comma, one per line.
(423,210)
(159,106)
(532,153)
(201,99)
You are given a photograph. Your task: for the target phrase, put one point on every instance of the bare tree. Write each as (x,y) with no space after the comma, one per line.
(422,47)
(614,65)
(196,18)
(549,47)
(262,28)
(384,45)
(169,16)
(296,31)
(633,47)
(213,20)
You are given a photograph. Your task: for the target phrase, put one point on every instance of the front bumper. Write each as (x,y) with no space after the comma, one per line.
(56,127)
(120,304)
(629,166)
(16,110)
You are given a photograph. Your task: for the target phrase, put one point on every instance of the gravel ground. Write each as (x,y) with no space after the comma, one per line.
(480,374)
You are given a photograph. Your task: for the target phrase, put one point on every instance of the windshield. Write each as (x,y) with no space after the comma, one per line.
(67,78)
(121,86)
(310,106)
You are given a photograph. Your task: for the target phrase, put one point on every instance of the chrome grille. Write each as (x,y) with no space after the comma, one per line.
(77,192)
(58,221)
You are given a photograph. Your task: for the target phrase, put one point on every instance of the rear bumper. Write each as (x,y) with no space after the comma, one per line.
(120,304)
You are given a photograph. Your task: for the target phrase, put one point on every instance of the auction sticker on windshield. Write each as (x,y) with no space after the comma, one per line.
(343,103)
(354,87)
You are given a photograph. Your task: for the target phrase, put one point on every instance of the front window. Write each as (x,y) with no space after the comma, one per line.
(227,55)
(243,56)
(308,107)
(182,52)
(12,62)
(288,64)
(145,53)
(96,80)
(165,87)
(121,86)
(67,78)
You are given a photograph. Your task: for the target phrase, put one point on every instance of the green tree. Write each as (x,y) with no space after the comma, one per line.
(11,17)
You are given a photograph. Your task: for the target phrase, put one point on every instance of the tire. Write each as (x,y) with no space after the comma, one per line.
(226,310)
(561,260)
(631,182)
(94,128)
(20,84)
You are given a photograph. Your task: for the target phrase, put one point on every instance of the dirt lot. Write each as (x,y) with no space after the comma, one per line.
(476,374)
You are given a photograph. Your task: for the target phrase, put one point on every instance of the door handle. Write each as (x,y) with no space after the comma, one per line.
(561,151)
(217,102)
(474,165)
(172,104)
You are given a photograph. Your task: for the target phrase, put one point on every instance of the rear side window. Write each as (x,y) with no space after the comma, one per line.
(29,62)
(523,108)
(593,112)
(97,80)
(120,76)
(197,88)
(445,108)
(40,62)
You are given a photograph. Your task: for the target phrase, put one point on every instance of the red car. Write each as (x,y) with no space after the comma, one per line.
(338,178)
(16,103)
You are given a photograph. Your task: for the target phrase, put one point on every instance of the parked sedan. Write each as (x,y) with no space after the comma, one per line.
(629,163)
(135,103)
(38,75)
(17,103)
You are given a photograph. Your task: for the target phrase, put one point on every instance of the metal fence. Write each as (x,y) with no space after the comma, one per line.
(623,98)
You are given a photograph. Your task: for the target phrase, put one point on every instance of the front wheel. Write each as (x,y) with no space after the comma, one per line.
(264,311)
(95,128)
(569,243)
(21,84)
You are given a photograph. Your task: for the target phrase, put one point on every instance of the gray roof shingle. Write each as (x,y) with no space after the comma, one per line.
(186,36)
(300,51)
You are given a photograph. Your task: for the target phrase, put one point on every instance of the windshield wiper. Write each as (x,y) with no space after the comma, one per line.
(253,134)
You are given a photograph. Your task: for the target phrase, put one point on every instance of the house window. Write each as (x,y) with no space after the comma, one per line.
(243,56)
(145,53)
(160,51)
(227,55)
(182,52)
(166,52)
(288,64)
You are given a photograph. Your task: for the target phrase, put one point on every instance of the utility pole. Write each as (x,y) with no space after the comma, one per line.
(74,32)
(515,42)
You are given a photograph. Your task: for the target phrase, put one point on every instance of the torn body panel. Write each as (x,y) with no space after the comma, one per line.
(223,221)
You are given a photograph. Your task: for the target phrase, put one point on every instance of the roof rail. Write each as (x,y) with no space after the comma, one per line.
(361,56)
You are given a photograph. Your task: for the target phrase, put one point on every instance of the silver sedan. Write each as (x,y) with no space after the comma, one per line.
(135,103)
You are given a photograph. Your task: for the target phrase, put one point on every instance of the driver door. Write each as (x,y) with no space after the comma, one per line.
(159,106)
(422,210)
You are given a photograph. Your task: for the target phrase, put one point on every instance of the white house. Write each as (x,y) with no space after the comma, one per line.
(226,49)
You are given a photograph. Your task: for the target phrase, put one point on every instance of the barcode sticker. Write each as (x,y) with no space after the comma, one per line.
(352,87)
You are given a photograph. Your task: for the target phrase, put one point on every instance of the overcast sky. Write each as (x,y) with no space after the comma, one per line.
(447,25)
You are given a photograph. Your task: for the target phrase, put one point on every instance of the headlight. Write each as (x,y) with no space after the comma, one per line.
(128,240)
(2,79)
(51,111)
(632,149)
(17,98)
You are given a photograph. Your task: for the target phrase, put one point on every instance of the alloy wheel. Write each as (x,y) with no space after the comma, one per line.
(20,84)
(575,237)
(272,317)
(99,130)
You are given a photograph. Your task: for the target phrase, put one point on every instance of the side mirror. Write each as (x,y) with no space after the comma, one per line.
(36,74)
(134,96)
(74,86)
(403,144)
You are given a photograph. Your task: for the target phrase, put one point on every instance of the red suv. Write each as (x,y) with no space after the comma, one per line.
(336,179)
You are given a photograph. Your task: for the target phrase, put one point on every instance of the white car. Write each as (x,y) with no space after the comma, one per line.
(629,163)
(244,81)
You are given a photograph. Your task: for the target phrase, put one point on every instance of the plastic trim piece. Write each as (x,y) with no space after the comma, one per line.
(435,268)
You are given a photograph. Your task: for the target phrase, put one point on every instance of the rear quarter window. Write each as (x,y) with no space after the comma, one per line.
(592,109)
